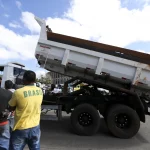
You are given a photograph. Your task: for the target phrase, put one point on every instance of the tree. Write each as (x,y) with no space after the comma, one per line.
(44,80)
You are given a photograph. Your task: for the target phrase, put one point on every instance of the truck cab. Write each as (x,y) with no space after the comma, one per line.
(12,71)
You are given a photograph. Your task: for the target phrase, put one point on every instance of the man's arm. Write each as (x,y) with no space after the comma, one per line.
(13,102)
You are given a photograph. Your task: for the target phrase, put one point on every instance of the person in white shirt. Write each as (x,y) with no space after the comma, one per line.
(9,86)
(54,89)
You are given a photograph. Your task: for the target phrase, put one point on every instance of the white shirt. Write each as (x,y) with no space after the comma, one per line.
(12,90)
(56,91)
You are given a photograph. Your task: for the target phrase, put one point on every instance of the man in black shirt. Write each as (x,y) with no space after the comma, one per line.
(5,96)
(0,81)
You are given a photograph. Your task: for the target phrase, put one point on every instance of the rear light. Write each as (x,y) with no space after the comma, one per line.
(88,68)
(43,46)
(124,78)
(69,63)
(56,59)
(103,73)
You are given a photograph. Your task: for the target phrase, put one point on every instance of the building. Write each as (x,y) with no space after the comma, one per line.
(57,78)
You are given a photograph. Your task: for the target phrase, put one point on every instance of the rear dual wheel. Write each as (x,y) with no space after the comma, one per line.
(122,121)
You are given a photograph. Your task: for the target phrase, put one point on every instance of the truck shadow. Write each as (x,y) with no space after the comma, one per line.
(62,133)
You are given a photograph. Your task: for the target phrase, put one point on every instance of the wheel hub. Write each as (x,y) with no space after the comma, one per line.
(85,119)
(122,121)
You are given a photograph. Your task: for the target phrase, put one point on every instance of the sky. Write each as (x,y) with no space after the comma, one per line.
(123,23)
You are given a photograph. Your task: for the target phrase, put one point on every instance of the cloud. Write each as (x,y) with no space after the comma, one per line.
(14,25)
(109,21)
(5,54)
(40,73)
(29,22)
(146,1)
(6,15)
(1,4)
(104,21)
(18,4)
(15,45)
(72,28)
(143,51)
(98,20)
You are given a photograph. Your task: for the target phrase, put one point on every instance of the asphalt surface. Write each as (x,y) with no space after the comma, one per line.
(59,136)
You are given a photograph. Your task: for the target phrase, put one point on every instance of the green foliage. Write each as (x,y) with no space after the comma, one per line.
(44,80)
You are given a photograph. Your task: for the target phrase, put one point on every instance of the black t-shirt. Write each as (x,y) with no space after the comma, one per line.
(5,96)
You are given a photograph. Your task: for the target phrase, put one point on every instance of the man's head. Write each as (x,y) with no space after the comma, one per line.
(8,84)
(52,86)
(29,77)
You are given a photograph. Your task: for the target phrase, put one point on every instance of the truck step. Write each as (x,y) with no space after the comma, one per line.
(52,107)
(47,115)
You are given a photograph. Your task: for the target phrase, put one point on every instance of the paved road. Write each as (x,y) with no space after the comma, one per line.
(59,136)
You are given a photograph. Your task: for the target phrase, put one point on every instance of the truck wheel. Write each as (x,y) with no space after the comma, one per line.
(123,121)
(85,120)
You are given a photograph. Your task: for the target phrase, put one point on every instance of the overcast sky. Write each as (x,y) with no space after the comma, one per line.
(124,23)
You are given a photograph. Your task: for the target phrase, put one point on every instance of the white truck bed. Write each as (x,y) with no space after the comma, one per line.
(72,60)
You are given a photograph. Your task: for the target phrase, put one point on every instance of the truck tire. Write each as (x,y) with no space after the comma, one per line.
(123,121)
(85,120)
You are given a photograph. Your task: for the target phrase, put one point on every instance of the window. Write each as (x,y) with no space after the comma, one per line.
(18,71)
(1,71)
(56,81)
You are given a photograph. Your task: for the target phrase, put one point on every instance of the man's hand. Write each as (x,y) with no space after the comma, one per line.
(13,113)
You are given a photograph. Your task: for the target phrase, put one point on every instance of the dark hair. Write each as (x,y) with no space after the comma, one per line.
(8,84)
(52,87)
(29,76)
(0,78)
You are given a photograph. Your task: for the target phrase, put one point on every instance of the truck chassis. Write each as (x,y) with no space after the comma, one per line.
(121,108)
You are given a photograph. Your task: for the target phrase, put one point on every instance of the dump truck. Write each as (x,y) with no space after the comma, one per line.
(117,83)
